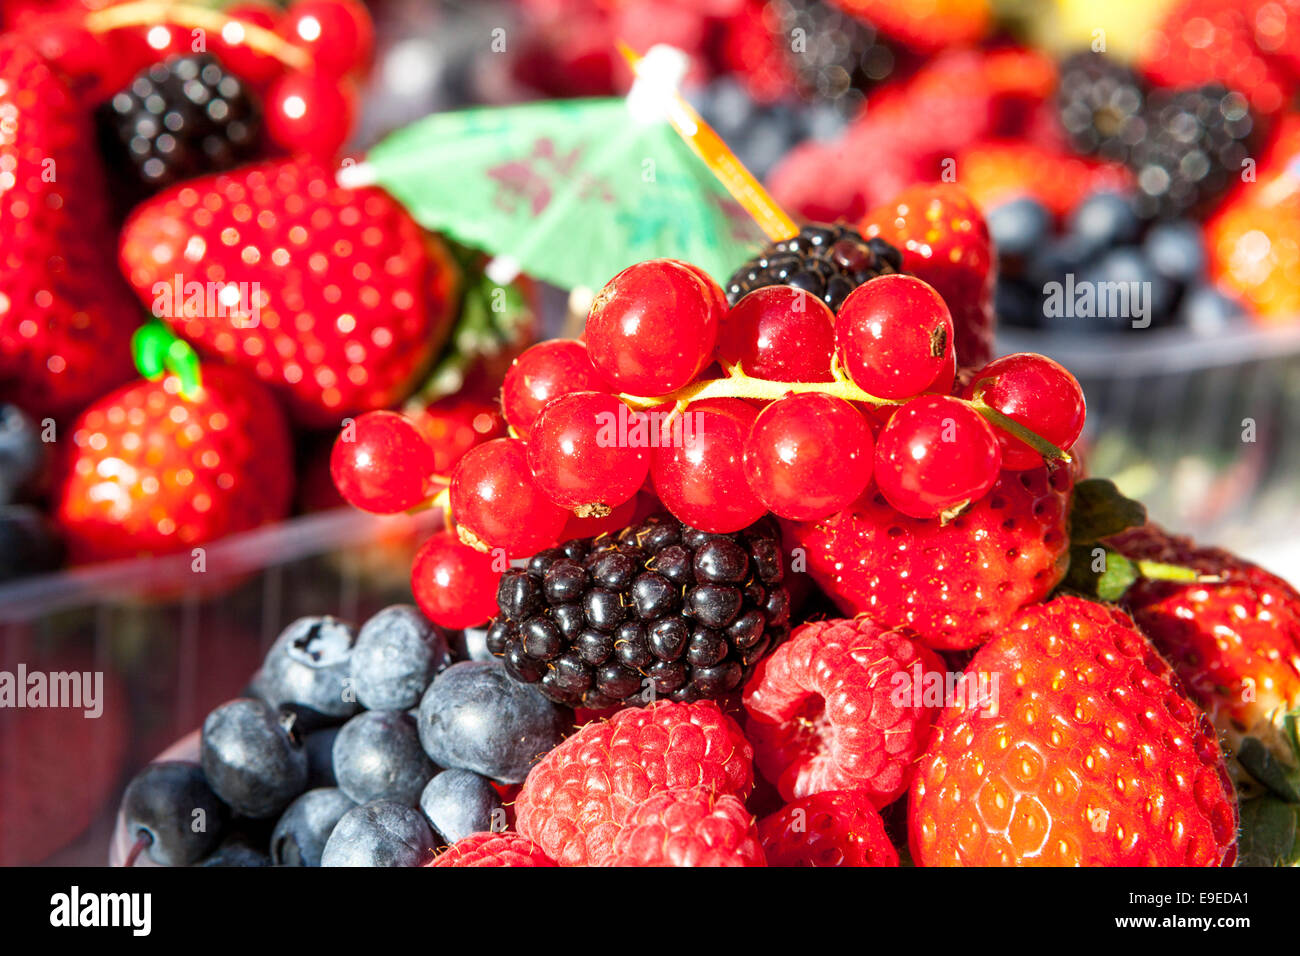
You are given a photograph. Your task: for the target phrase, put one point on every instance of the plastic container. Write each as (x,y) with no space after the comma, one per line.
(1204,430)
(170,643)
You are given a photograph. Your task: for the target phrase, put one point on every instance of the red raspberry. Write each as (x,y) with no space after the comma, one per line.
(833,709)
(688,827)
(492,849)
(832,828)
(576,799)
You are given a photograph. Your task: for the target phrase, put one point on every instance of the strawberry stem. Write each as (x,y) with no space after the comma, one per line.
(155,12)
(157,351)
(1159,571)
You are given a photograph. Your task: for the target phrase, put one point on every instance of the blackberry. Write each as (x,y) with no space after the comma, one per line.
(829,261)
(180,118)
(658,610)
(1195,144)
(1100,105)
(835,56)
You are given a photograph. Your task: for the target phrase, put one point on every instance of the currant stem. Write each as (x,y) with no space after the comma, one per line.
(1013,427)
(154,12)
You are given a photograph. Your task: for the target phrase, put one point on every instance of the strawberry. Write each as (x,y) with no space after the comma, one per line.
(1094,756)
(955,584)
(831,828)
(1254,247)
(687,826)
(148,471)
(945,241)
(342,301)
(1236,642)
(994,171)
(65,316)
(926,26)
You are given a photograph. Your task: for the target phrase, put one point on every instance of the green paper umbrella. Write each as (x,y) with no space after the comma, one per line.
(569,191)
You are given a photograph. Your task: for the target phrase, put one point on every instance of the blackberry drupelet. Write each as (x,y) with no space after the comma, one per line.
(834,55)
(180,118)
(1100,105)
(658,610)
(828,261)
(1195,144)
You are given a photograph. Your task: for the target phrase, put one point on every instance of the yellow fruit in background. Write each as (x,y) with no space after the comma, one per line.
(1065,25)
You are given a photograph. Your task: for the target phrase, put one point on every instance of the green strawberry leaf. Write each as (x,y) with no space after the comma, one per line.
(1098,510)
(1260,763)
(1268,833)
(1099,573)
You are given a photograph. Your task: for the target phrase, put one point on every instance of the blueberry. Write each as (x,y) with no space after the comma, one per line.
(1127,264)
(1104,220)
(377,756)
(309,666)
(1016,303)
(1207,311)
(470,645)
(1019,227)
(1055,259)
(319,745)
(237,850)
(171,807)
(473,716)
(460,802)
(251,760)
(28,543)
(1177,250)
(300,834)
(383,833)
(396,655)
(21,451)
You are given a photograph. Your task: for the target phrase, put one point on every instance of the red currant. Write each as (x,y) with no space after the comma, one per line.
(309,113)
(496,502)
(455,424)
(893,335)
(780,333)
(337,33)
(1039,394)
(543,372)
(698,469)
(589,451)
(231,47)
(381,463)
(935,454)
(652,329)
(809,455)
(711,286)
(455,586)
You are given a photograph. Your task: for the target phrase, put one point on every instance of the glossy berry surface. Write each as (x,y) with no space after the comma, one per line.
(1039,394)
(454,585)
(543,372)
(497,503)
(455,424)
(337,33)
(699,472)
(808,455)
(382,463)
(894,336)
(830,828)
(230,46)
(309,113)
(589,451)
(780,333)
(934,454)
(652,328)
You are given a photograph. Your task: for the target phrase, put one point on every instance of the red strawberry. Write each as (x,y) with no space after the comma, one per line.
(690,826)
(831,828)
(346,299)
(945,241)
(150,472)
(65,316)
(826,711)
(1235,643)
(1094,756)
(60,767)
(579,795)
(1254,246)
(955,584)
(492,849)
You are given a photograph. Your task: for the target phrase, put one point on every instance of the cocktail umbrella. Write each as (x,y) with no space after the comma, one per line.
(570,191)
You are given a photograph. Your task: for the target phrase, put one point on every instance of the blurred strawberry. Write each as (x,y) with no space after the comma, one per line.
(342,299)
(1254,247)
(994,171)
(934,25)
(65,316)
(149,471)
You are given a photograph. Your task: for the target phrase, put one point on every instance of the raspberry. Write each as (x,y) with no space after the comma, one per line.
(579,795)
(824,712)
(492,849)
(688,827)
(832,828)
